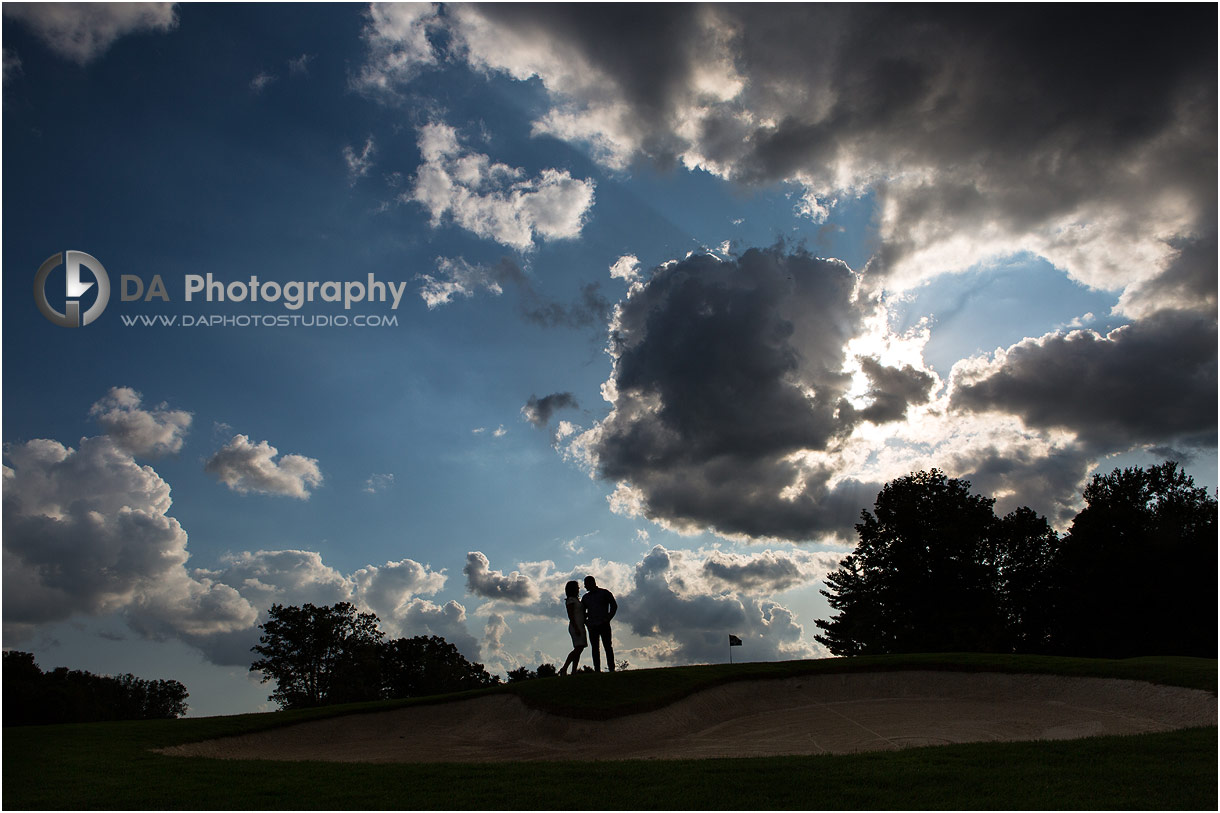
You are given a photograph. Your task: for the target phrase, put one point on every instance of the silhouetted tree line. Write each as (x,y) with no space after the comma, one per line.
(936,570)
(35,697)
(323,655)
(525,673)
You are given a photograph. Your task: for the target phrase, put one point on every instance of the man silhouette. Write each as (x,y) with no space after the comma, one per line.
(600,607)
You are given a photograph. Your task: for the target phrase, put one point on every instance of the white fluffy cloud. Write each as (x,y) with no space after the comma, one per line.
(251,467)
(493,200)
(397,38)
(678,606)
(87,531)
(692,625)
(144,432)
(448,620)
(299,576)
(626,268)
(81,32)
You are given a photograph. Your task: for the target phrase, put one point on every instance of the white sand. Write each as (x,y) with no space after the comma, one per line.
(806,715)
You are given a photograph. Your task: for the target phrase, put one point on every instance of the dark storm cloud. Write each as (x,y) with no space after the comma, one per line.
(722,371)
(1050,483)
(538,411)
(770,571)
(1151,381)
(1188,283)
(893,390)
(1009,127)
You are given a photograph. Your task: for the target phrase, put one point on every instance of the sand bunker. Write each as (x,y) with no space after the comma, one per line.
(807,715)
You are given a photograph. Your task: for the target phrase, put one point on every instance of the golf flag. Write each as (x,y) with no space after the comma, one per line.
(734,640)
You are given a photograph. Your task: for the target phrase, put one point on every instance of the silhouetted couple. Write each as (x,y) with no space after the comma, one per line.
(593,613)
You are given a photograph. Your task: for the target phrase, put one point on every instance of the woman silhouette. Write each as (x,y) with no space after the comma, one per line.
(576,625)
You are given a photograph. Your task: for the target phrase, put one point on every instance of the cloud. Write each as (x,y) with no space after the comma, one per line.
(147,433)
(978,133)
(359,164)
(387,590)
(538,411)
(678,606)
(626,268)
(482,581)
(591,309)
(769,571)
(1188,282)
(248,467)
(692,625)
(725,374)
(457,277)
(493,200)
(1152,381)
(297,577)
(378,482)
(893,390)
(448,620)
(81,32)
(12,65)
(493,635)
(87,531)
(299,65)
(260,82)
(396,35)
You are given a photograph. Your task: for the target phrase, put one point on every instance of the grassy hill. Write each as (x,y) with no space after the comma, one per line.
(109,765)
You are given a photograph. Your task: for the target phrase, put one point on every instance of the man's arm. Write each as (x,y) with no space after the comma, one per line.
(613,605)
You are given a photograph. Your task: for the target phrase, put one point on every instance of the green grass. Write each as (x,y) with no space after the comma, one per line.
(109,765)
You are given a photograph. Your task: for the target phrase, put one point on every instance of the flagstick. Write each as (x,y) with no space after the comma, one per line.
(730,652)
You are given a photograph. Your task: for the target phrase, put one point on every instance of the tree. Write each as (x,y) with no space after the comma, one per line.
(32,696)
(417,666)
(1139,567)
(525,673)
(935,571)
(319,655)
(1024,554)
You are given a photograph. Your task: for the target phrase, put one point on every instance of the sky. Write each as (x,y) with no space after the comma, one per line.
(432,308)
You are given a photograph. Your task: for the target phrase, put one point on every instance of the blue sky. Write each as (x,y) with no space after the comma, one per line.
(757,282)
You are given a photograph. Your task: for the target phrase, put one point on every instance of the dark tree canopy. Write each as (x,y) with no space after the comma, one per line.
(325,655)
(525,673)
(1139,567)
(417,666)
(936,570)
(33,697)
(319,655)
(1024,556)
(920,579)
